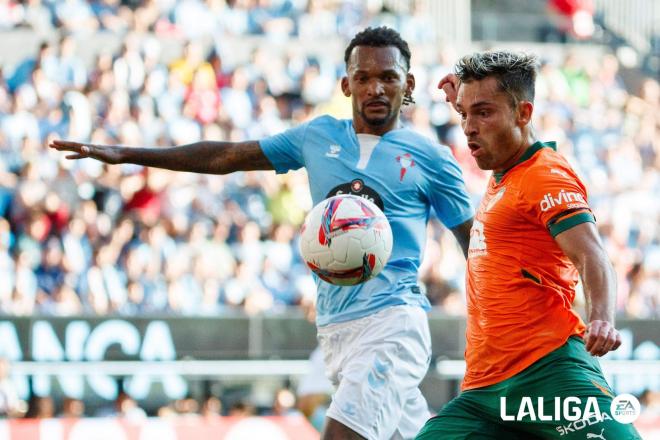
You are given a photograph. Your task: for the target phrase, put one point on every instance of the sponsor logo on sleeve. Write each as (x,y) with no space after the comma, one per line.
(565,198)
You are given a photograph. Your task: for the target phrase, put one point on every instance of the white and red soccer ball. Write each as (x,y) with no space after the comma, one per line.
(346,240)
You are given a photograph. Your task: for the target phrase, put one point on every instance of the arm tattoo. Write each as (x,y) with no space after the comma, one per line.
(206,157)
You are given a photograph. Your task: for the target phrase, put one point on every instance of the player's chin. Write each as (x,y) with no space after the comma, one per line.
(483,163)
(376,121)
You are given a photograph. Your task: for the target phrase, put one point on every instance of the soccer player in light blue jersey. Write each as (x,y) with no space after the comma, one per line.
(374,336)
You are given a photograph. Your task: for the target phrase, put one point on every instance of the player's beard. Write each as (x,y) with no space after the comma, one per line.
(378,122)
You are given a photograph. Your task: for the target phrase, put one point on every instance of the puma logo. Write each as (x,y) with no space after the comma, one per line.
(600,436)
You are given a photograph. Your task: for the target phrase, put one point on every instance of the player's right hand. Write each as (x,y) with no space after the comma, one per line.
(601,337)
(449,85)
(104,153)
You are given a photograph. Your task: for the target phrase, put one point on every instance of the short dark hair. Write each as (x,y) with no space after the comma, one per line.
(515,72)
(379,37)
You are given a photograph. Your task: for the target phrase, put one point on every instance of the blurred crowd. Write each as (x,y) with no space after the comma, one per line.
(124,406)
(192,19)
(80,237)
(309,399)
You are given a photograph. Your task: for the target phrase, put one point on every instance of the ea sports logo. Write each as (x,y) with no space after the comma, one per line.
(625,408)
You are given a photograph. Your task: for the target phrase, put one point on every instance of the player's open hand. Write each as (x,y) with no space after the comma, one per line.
(449,85)
(104,153)
(601,337)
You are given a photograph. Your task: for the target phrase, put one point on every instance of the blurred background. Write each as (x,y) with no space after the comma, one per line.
(128,293)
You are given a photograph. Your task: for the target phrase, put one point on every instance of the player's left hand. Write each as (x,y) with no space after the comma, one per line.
(601,337)
(449,85)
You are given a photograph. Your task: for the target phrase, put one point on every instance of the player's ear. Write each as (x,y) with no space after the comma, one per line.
(345,88)
(408,90)
(410,84)
(524,113)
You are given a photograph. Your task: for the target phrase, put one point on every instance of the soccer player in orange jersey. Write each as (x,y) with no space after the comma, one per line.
(531,370)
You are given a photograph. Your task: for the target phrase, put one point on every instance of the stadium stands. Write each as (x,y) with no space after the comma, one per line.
(82,238)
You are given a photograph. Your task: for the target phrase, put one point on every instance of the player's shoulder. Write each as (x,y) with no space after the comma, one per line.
(422,146)
(327,122)
(411,137)
(546,173)
(547,165)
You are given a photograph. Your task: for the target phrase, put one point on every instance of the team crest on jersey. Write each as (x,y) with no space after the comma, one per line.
(357,188)
(406,161)
(357,185)
(493,200)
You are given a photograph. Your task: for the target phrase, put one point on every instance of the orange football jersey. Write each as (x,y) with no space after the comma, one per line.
(520,285)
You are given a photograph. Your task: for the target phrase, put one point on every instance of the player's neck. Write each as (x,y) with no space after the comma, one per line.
(529,140)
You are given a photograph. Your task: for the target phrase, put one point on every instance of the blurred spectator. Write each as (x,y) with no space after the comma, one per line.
(211,407)
(318,21)
(72,408)
(38,16)
(124,406)
(76,16)
(186,406)
(284,403)
(40,407)
(650,402)
(572,19)
(128,408)
(314,390)
(11,14)
(241,409)
(10,404)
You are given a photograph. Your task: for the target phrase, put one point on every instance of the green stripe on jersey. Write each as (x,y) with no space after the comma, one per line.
(566,224)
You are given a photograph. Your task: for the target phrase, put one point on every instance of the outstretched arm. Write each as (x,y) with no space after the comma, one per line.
(201,157)
(583,246)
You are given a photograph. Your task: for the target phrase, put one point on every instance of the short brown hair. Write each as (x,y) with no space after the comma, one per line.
(515,72)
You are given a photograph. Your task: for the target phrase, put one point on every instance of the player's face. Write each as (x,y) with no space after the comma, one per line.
(495,130)
(376,81)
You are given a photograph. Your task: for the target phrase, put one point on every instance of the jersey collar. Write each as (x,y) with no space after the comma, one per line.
(536,146)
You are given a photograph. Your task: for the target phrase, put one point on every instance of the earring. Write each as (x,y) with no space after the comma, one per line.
(408,99)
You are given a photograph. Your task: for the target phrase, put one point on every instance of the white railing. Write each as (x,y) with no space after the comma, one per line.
(456,369)
(446,369)
(235,369)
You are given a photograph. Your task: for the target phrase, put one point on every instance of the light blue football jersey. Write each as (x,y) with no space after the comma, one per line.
(404,173)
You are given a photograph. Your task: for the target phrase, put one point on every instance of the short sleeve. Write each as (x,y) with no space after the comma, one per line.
(447,192)
(556,198)
(285,150)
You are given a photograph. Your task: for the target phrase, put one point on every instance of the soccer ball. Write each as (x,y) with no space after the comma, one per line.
(346,240)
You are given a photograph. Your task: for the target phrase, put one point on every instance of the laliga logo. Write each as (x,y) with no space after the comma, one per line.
(563,197)
(569,408)
(625,408)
